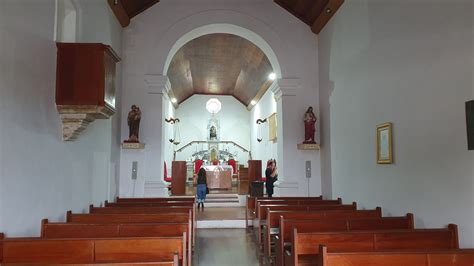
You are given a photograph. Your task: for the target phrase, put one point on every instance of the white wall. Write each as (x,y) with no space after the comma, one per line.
(153,34)
(265,149)
(168,133)
(233,119)
(41,176)
(410,64)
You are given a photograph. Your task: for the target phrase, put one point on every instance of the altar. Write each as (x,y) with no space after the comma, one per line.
(219,176)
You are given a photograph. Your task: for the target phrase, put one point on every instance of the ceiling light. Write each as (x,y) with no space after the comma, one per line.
(213,106)
(253,102)
(272,76)
(173,100)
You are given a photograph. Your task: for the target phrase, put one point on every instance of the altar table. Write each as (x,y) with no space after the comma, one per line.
(219,176)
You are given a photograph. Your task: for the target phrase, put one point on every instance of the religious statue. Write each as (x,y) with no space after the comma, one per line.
(134,117)
(309,126)
(213,133)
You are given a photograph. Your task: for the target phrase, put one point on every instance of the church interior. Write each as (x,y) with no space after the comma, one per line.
(225,132)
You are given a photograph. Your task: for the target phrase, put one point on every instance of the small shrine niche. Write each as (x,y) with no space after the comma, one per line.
(85,85)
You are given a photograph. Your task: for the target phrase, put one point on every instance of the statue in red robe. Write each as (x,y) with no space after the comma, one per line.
(309,126)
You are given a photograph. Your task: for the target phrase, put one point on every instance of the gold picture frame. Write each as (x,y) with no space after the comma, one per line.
(385,143)
(272,127)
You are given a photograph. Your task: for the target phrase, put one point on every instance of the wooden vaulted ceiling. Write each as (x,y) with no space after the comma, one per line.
(315,13)
(219,64)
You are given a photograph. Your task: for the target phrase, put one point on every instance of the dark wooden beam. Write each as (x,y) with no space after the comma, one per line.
(143,8)
(119,12)
(328,11)
(285,6)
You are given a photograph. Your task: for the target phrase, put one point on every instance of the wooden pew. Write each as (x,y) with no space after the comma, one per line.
(305,246)
(327,214)
(286,226)
(188,199)
(146,210)
(70,230)
(261,205)
(2,236)
(458,257)
(94,250)
(263,210)
(252,204)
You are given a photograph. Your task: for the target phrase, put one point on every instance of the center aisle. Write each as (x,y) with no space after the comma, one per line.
(228,247)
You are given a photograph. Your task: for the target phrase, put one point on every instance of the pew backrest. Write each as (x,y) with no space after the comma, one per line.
(139,209)
(182,199)
(129,218)
(71,230)
(457,257)
(345,224)
(263,209)
(260,204)
(150,204)
(98,250)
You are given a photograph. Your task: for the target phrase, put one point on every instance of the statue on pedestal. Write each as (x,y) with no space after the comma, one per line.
(309,126)
(213,133)
(134,117)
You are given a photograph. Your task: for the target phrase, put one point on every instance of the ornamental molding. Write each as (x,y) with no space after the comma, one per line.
(285,87)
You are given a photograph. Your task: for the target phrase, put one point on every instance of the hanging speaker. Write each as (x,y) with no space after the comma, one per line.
(470,124)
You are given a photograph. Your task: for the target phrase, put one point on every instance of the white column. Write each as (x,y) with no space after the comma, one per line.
(289,125)
(149,182)
(154,185)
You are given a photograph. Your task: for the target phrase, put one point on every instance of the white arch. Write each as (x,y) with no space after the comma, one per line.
(230,29)
(164,47)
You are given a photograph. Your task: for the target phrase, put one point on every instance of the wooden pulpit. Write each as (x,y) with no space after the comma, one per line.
(178,178)
(254,172)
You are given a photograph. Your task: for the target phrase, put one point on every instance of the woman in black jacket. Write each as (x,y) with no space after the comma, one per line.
(271,176)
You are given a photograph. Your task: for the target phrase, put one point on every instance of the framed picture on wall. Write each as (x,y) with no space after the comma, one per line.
(384,144)
(272,127)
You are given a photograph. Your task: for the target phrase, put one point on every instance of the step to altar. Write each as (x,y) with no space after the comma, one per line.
(224,200)
(223,217)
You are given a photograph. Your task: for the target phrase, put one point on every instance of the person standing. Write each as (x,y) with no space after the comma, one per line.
(201,187)
(271,176)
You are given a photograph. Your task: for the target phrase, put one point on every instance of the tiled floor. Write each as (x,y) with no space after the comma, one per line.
(224,247)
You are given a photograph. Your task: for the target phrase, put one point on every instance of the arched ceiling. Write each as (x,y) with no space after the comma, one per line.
(219,64)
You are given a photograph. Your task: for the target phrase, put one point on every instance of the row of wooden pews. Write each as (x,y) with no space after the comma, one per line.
(295,231)
(151,231)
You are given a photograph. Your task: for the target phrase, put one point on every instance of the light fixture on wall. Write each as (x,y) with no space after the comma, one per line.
(176,134)
(174,100)
(259,128)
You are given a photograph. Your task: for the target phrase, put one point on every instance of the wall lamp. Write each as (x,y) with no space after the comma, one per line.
(176,134)
(259,130)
